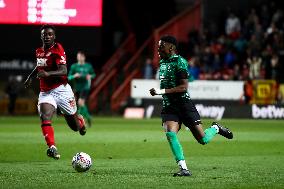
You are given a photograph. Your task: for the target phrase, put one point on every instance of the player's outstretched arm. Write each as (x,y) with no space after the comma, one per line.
(28,81)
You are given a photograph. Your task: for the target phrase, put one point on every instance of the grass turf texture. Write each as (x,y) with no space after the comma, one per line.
(135,154)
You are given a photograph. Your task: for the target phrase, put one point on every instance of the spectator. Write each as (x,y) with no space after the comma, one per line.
(236,73)
(207,59)
(265,16)
(248,91)
(274,72)
(233,26)
(254,45)
(245,72)
(148,71)
(271,29)
(240,45)
(216,62)
(12,90)
(277,42)
(277,17)
(229,59)
(254,63)
(258,32)
(253,19)
(193,69)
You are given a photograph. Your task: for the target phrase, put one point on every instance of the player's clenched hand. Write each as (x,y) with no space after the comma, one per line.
(77,75)
(153,92)
(42,73)
(88,77)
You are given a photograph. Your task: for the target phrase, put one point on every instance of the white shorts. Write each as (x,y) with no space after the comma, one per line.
(62,96)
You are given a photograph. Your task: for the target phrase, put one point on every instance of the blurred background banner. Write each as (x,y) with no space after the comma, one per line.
(219,109)
(23,106)
(67,12)
(217,99)
(15,66)
(265,91)
(206,90)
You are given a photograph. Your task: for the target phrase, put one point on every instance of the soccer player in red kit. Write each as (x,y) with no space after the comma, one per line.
(51,70)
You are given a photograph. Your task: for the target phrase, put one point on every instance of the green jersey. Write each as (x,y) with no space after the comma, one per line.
(168,75)
(81,83)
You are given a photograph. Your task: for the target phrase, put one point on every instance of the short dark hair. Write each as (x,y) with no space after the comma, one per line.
(81,52)
(46,26)
(169,39)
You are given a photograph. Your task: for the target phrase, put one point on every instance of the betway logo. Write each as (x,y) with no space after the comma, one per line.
(267,112)
(215,112)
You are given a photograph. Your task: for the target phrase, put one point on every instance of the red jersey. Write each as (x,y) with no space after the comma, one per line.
(48,60)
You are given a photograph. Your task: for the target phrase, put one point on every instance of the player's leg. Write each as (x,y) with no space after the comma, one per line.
(83,110)
(66,102)
(191,119)
(46,111)
(82,106)
(76,122)
(205,136)
(171,126)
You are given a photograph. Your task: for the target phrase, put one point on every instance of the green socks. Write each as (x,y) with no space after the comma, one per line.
(177,148)
(175,145)
(209,134)
(83,110)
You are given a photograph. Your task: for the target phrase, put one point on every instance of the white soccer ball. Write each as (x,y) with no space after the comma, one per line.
(81,162)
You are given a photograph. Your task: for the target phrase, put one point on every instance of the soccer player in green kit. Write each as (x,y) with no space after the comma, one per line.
(82,73)
(177,107)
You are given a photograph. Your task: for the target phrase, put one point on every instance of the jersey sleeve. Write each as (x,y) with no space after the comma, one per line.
(71,72)
(92,72)
(60,55)
(182,68)
(182,64)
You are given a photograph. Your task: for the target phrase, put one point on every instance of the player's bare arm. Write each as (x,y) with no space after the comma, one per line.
(28,81)
(61,71)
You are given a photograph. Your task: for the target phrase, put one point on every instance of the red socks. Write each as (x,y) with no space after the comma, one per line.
(81,120)
(48,132)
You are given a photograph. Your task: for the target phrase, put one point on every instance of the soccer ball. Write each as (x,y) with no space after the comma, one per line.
(81,162)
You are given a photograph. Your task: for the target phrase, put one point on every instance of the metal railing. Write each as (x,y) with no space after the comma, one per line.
(179,26)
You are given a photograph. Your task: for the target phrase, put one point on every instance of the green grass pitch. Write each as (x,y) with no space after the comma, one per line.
(135,154)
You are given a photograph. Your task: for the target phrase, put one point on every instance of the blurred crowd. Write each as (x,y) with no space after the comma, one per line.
(249,48)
